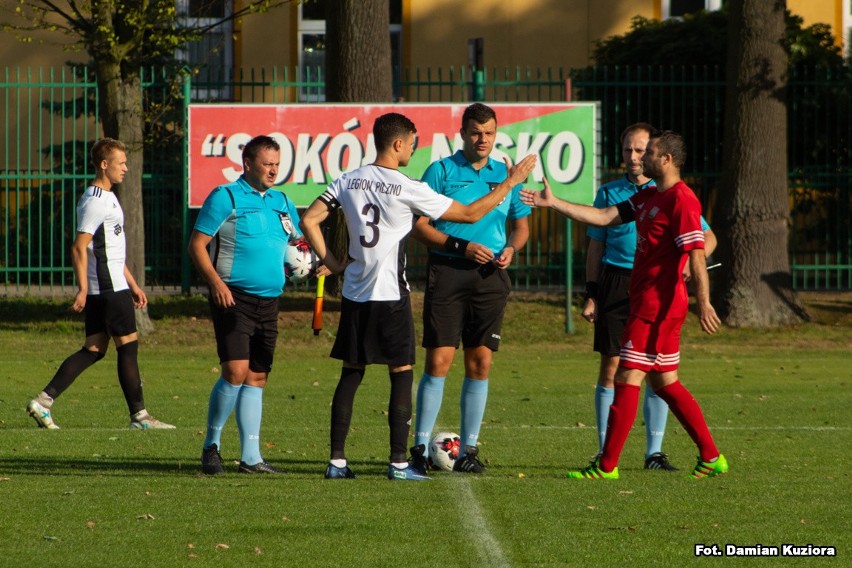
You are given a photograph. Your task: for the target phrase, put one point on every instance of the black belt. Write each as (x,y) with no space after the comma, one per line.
(461,263)
(616,270)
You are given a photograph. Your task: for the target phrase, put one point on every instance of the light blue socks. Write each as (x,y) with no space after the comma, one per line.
(656,412)
(249,411)
(603,400)
(430,393)
(473,398)
(223,398)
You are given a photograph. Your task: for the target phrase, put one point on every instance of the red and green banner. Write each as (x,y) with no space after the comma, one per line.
(320,142)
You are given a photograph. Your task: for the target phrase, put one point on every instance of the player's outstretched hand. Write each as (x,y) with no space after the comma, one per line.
(710,322)
(520,171)
(543,198)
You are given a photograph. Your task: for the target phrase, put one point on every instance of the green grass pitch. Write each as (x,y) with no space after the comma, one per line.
(98,494)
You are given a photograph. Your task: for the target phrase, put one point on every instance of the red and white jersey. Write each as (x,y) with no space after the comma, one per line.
(100,215)
(668,226)
(380,205)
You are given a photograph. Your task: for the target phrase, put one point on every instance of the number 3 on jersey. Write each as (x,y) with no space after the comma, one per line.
(371,212)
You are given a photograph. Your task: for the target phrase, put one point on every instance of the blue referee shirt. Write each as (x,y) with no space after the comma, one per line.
(455,177)
(250,234)
(620,240)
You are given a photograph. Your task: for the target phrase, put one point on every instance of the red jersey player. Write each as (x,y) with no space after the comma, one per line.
(668,235)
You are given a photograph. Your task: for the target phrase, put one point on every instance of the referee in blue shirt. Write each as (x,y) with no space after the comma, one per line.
(467,284)
(238,245)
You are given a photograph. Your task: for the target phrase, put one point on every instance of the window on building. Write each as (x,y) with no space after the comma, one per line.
(312,45)
(213,54)
(679,8)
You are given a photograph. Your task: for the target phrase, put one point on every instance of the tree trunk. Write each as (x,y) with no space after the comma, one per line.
(756,284)
(358,51)
(123,119)
(358,69)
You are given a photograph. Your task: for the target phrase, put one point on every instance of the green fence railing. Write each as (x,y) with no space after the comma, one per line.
(50,118)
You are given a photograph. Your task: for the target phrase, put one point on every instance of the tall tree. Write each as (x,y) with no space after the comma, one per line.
(121,37)
(756,283)
(358,70)
(358,53)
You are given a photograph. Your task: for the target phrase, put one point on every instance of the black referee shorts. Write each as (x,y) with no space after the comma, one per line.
(464,300)
(375,332)
(246,331)
(613,309)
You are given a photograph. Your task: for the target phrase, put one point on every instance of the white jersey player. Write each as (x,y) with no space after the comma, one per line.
(99,214)
(376,325)
(380,205)
(107,293)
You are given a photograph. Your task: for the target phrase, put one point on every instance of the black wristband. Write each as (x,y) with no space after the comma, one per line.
(455,245)
(591,290)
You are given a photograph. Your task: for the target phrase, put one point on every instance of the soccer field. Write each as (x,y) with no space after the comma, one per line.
(98,494)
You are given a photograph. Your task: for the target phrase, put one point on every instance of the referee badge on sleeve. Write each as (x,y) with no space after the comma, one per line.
(286,223)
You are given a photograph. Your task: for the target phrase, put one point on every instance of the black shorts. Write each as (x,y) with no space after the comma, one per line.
(464,300)
(246,331)
(613,308)
(375,332)
(112,313)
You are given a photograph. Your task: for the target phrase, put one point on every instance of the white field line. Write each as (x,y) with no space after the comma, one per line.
(488,549)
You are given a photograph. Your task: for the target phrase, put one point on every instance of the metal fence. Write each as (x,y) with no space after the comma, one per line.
(50,119)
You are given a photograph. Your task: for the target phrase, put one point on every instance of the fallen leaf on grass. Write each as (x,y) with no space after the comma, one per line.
(580,425)
(48,537)
(91,524)
(257,550)
(146,517)
(521,476)
(5,479)
(190,545)
(222,546)
(591,507)
(270,444)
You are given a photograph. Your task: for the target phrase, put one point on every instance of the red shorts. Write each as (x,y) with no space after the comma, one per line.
(651,345)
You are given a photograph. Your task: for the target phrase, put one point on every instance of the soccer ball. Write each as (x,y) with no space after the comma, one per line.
(444,449)
(299,261)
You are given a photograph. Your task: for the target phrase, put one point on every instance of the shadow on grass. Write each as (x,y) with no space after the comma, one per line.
(20,313)
(149,466)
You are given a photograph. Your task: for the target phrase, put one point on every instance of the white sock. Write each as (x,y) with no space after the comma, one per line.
(44,400)
(140,415)
(338,463)
(400,465)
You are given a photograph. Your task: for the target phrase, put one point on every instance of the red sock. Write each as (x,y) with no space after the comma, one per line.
(622,415)
(684,407)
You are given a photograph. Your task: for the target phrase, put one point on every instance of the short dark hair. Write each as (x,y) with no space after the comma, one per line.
(672,143)
(258,143)
(103,148)
(644,126)
(389,127)
(478,113)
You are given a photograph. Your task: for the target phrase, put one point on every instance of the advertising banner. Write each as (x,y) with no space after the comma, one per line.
(320,142)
